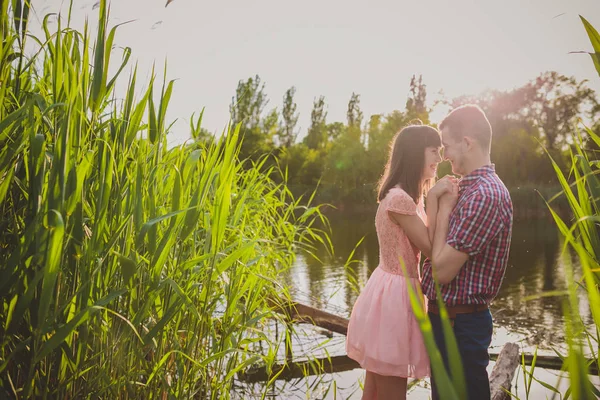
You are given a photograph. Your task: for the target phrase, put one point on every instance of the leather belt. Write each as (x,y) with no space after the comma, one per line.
(457,309)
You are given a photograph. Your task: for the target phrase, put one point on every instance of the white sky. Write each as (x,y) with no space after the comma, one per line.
(335,47)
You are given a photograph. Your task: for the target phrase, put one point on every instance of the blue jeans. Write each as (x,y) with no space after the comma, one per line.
(473,335)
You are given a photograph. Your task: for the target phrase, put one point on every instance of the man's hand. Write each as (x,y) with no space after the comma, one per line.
(442,186)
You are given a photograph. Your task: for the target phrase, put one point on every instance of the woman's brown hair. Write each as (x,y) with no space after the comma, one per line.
(407,159)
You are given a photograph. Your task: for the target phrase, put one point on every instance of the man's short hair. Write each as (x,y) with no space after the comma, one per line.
(469,120)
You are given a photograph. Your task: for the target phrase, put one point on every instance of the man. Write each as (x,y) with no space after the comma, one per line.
(470,248)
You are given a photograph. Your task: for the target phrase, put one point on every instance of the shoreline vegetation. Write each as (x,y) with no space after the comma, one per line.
(128,269)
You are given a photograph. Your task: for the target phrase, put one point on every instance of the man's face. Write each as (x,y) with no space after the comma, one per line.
(454,151)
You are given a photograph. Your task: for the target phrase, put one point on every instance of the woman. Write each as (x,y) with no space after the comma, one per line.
(383,333)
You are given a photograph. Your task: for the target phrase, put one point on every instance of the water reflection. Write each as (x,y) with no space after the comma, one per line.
(532,269)
(535,266)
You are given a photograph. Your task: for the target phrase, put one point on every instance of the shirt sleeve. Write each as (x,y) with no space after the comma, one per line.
(477,222)
(401,203)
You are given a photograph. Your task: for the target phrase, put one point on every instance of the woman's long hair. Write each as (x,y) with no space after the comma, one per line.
(407,161)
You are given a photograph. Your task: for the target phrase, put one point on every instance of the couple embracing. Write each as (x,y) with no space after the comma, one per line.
(463,227)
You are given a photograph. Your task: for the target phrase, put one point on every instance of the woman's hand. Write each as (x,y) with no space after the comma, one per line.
(448,200)
(443,186)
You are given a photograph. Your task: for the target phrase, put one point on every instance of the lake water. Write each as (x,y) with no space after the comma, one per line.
(535,266)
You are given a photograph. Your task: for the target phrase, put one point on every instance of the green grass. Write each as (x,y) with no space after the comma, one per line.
(127,270)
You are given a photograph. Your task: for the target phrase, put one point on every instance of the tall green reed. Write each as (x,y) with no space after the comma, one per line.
(128,269)
(581,188)
(581,236)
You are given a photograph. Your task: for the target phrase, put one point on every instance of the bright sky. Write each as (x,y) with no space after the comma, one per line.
(335,47)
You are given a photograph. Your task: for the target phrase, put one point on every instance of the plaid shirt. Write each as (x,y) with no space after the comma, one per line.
(481,226)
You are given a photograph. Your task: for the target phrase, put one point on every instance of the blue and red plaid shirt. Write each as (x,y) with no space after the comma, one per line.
(481,226)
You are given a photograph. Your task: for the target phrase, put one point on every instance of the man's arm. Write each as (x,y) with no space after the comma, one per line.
(478,222)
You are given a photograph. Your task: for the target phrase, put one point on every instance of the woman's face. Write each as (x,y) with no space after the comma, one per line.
(432,159)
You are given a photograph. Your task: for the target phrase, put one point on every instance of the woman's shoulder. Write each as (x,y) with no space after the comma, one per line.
(398,193)
(399,201)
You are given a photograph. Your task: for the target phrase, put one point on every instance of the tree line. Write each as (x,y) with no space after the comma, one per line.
(346,159)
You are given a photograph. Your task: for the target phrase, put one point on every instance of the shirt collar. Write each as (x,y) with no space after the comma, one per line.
(470,179)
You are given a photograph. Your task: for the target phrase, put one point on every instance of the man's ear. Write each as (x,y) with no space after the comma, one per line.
(469,141)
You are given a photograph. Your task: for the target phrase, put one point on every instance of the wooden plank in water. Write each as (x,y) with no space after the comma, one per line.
(299,312)
(299,369)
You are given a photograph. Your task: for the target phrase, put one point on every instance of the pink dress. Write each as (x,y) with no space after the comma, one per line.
(383,333)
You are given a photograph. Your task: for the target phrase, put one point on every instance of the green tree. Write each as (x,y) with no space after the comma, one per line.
(346,159)
(558,104)
(355,117)
(552,103)
(288,133)
(248,103)
(375,149)
(416,104)
(317,132)
(335,130)
(270,124)
(354,114)
(246,110)
(373,130)
(291,160)
(312,168)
